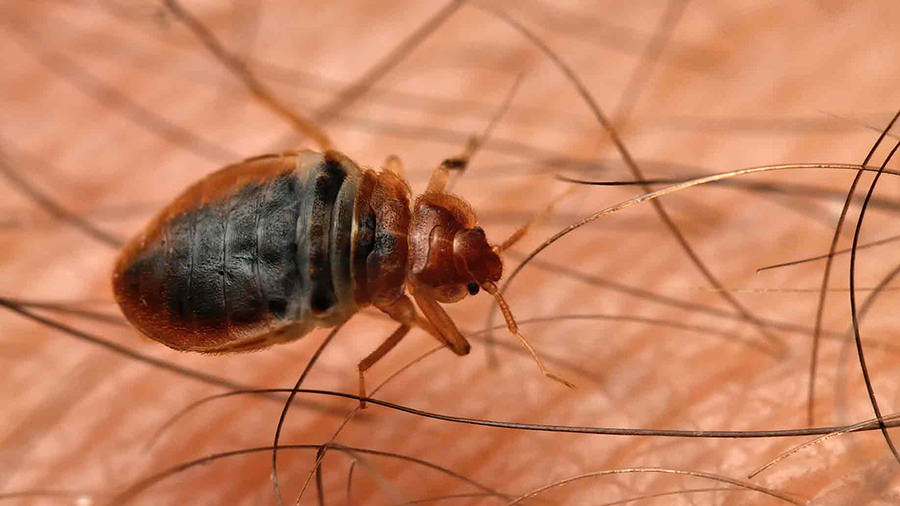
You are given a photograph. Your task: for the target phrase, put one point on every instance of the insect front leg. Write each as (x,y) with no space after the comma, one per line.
(393,164)
(441,174)
(441,324)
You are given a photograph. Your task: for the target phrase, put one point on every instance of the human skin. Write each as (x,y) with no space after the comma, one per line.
(85,93)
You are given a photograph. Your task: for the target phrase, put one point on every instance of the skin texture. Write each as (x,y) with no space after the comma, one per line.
(112,108)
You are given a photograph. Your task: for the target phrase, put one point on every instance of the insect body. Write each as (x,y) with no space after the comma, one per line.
(263,251)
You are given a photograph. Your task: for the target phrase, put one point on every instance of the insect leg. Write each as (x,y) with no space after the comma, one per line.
(395,165)
(521,231)
(441,174)
(377,355)
(403,311)
(443,327)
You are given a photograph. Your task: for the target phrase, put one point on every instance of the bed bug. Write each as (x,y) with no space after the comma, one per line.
(263,251)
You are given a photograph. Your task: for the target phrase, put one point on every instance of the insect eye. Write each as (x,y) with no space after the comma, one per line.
(473,288)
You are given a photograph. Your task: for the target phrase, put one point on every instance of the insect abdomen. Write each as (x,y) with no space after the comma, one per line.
(252,255)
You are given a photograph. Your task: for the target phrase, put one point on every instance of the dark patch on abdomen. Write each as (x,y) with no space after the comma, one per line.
(278,275)
(261,252)
(326,183)
(206,275)
(195,266)
(243,291)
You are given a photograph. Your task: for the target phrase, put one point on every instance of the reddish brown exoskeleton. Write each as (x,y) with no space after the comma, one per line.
(263,251)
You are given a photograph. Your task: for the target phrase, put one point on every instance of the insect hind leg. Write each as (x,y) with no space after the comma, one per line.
(377,355)
(404,312)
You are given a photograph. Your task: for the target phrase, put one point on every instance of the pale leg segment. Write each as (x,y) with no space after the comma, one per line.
(441,174)
(395,165)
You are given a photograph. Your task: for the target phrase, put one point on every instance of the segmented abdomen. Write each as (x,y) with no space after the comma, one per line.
(254,254)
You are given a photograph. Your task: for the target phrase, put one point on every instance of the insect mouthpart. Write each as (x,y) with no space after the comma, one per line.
(476,258)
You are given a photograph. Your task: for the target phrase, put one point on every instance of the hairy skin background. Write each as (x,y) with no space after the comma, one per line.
(738,85)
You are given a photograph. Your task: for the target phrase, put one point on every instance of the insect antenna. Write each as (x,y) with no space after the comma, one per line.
(356,414)
(663,192)
(318,461)
(513,327)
